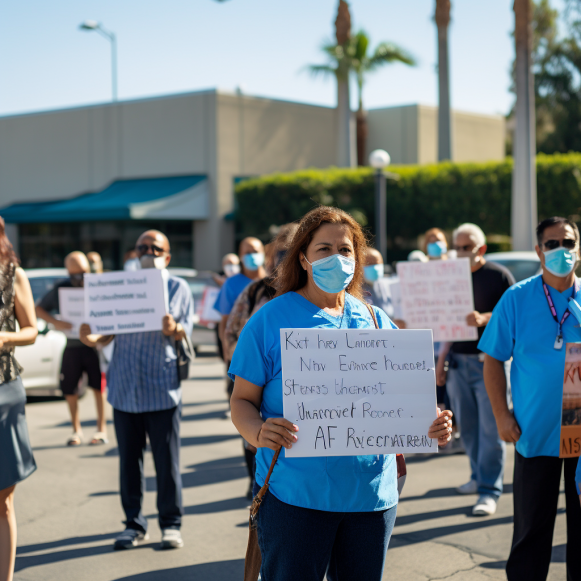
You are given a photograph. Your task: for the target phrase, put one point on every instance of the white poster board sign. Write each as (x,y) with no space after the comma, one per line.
(358,392)
(126,301)
(209,314)
(437,295)
(72,309)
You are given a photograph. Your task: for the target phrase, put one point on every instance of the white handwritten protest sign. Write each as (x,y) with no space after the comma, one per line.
(72,309)
(208,313)
(437,295)
(126,301)
(357,392)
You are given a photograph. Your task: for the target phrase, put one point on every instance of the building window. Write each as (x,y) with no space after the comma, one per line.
(46,245)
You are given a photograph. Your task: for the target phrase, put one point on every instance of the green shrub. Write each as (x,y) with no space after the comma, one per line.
(442,195)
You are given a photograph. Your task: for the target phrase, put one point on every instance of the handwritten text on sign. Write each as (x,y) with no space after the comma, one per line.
(72,309)
(437,295)
(357,392)
(126,301)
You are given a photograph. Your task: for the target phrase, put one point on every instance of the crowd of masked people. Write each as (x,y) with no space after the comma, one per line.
(319,273)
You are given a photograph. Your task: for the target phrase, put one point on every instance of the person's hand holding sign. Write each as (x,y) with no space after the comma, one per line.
(170,328)
(476,319)
(60,325)
(441,428)
(277,432)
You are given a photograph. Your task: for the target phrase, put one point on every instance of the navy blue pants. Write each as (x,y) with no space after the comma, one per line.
(303,544)
(163,429)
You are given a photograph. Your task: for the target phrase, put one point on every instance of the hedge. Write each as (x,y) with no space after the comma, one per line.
(442,195)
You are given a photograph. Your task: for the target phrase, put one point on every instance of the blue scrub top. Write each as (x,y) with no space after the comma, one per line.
(340,483)
(578,477)
(230,291)
(522,327)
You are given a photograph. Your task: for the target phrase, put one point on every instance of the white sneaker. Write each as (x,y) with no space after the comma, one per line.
(485,506)
(468,488)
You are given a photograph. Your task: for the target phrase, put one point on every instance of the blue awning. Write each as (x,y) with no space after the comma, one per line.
(170,198)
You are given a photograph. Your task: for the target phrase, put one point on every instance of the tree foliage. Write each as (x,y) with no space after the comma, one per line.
(442,195)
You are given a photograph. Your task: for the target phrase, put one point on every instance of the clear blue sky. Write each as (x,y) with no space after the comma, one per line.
(262,45)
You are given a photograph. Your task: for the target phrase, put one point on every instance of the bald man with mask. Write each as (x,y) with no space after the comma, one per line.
(144,390)
(77,358)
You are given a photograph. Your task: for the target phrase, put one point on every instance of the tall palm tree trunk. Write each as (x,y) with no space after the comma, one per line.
(444,112)
(362,133)
(524,178)
(345,140)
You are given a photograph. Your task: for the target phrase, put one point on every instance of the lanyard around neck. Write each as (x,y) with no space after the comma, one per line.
(566,314)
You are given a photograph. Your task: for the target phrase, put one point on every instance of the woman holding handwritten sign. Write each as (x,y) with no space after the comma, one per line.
(330,515)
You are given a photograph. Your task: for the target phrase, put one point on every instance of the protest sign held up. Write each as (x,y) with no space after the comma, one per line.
(356,392)
(126,301)
(72,309)
(437,295)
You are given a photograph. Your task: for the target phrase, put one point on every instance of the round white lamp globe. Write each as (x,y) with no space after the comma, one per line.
(379,159)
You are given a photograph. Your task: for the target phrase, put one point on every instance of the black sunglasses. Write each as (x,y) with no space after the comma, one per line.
(143,248)
(568,243)
(466,248)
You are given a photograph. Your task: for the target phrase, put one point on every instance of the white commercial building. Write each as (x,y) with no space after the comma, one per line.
(95,177)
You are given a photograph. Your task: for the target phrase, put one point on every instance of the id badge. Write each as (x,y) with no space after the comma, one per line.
(559,342)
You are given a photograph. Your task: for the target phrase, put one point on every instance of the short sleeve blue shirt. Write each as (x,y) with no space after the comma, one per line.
(522,327)
(578,476)
(338,484)
(229,292)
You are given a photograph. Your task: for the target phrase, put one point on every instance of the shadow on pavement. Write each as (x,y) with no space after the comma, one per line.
(409,519)
(558,555)
(203,440)
(84,424)
(212,472)
(445,492)
(216,571)
(199,403)
(24,562)
(216,415)
(433,533)
(63,543)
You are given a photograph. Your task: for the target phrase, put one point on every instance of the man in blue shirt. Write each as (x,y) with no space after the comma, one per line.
(532,324)
(144,390)
(251,252)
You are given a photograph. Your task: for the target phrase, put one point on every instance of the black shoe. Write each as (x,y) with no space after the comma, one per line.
(128,539)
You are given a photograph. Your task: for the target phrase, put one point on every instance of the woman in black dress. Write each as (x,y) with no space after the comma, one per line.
(16,459)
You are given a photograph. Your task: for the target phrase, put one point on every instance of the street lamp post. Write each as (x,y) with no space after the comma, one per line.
(96,26)
(379,160)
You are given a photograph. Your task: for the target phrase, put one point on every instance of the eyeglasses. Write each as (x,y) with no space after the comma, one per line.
(568,243)
(466,248)
(143,248)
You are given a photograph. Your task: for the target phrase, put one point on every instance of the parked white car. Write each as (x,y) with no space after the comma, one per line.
(522,264)
(42,361)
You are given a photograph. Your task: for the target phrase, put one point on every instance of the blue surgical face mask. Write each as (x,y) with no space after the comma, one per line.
(436,249)
(253,261)
(333,273)
(373,272)
(560,261)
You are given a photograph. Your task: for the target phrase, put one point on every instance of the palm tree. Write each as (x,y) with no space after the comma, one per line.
(363,63)
(352,58)
(339,67)
(442,18)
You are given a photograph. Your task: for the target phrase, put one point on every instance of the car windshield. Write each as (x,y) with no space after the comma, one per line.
(40,285)
(520,269)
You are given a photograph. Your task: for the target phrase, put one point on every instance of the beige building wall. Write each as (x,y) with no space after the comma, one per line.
(410,135)
(59,154)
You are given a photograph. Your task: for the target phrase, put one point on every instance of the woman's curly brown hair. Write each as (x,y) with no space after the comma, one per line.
(291,276)
(7,254)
